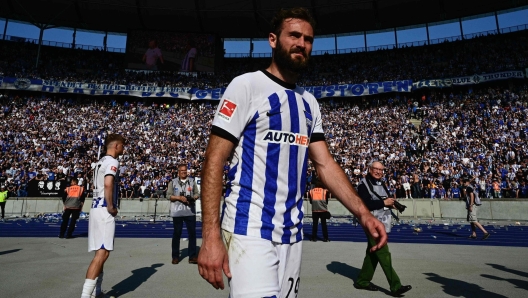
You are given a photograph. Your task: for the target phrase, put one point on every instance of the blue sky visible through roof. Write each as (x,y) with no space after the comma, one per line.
(440,31)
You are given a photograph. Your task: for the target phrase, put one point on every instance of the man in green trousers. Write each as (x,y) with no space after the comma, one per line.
(374,193)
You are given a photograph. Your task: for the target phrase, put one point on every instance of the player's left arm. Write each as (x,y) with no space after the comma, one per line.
(337,182)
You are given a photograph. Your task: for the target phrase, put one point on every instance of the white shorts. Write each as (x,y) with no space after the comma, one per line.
(101,230)
(406,186)
(261,268)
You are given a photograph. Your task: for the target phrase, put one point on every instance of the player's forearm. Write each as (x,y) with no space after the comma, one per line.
(109,195)
(337,182)
(211,193)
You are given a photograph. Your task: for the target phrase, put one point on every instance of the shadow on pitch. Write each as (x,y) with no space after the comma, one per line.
(349,272)
(5,252)
(506,269)
(459,288)
(133,282)
(343,269)
(521,284)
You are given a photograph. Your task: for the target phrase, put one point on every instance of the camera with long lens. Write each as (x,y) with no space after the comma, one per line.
(399,206)
(189,198)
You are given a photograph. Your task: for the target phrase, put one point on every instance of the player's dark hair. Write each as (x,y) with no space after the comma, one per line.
(290,13)
(114,138)
(75,180)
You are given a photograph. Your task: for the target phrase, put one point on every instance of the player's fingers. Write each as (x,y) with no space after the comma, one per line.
(381,241)
(219,279)
(225,266)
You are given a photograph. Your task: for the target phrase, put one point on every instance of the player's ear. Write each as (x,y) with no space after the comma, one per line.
(272,39)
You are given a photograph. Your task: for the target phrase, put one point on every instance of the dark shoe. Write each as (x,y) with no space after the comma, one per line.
(370,287)
(69,237)
(485,236)
(193,260)
(326,240)
(401,290)
(175,261)
(313,239)
(472,237)
(61,236)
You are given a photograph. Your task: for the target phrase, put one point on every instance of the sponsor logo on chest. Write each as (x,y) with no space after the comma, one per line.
(283,137)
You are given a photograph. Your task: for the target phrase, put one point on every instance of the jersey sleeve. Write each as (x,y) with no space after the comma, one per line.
(232,113)
(317,133)
(111,168)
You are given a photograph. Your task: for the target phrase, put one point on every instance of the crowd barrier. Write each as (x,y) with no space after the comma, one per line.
(499,209)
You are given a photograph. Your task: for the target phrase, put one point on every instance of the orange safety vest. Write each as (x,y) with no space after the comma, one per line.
(318,196)
(73,196)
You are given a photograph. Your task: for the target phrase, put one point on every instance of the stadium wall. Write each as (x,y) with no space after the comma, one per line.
(416,208)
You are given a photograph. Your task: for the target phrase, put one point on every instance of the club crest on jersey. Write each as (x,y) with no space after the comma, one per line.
(282,137)
(227,110)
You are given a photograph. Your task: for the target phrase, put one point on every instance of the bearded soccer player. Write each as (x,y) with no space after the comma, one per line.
(267,127)
(101,226)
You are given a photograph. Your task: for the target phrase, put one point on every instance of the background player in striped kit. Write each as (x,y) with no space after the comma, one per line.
(266,127)
(101,227)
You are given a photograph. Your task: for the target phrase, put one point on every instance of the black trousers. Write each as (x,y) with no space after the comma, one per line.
(315,217)
(190,223)
(2,205)
(65,218)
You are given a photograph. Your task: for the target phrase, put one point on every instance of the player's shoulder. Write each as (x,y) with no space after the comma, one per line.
(107,160)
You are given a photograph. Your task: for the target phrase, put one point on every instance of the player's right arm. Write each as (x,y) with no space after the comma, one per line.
(109,176)
(212,258)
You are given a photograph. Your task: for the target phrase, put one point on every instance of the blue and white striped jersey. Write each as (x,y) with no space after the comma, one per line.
(272,123)
(104,167)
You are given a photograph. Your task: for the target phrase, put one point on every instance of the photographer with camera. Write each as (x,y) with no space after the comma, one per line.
(183,192)
(375,195)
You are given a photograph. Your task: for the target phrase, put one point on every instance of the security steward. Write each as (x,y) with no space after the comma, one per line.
(319,200)
(375,195)
(4,195)
(73,199)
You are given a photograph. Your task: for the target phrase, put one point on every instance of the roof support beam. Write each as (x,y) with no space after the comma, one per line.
(198,6)
(140,15)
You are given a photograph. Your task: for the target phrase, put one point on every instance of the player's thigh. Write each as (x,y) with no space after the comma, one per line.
(254,265)
(290,256)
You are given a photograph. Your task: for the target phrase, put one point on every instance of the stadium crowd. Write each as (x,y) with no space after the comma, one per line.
(476,131)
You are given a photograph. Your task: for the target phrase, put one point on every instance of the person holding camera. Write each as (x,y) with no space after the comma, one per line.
(375,195)
(183,192)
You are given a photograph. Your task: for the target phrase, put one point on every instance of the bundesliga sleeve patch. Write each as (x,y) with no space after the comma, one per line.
(227,110)
(113,169)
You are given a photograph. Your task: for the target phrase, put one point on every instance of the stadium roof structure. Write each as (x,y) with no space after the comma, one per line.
(242,18)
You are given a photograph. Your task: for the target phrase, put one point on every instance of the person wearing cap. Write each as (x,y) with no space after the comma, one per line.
(4,195)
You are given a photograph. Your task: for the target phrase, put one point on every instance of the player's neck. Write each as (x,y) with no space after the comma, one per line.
(282,74)
(111,153)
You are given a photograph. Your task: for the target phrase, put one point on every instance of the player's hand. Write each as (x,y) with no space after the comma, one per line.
(470,208)
(111,210)
(376,229)
(212,260)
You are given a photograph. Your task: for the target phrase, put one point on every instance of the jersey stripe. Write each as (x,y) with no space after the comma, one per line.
(246,180)
(272,171)
(308,114)
(292,168)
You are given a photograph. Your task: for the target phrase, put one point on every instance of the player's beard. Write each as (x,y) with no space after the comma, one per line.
(284,60)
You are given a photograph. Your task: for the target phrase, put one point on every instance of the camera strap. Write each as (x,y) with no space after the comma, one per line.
(379,197)
(372,188)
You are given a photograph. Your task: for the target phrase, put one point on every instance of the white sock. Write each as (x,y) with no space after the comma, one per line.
(98,290)
(88,287)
